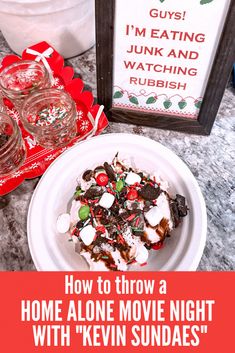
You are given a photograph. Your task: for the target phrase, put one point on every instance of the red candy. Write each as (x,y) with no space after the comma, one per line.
(102,179)
(157,246)
(132,195)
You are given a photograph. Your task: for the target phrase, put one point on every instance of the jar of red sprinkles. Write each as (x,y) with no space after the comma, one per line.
(20,79)
(12,147)
(50,116)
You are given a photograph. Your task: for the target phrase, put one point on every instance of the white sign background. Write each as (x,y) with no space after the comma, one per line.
(153,96)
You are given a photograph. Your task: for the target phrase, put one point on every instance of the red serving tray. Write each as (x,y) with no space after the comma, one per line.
(39,158)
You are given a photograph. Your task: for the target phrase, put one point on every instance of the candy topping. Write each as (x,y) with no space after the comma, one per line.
(87,235)
(63,223)
(132,195)
(107,200)
(133,178)
(84,212)
(102,179)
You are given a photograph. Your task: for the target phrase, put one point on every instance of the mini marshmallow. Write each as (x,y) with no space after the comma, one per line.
(142,254)
(154,216)
(152,235)
(106,200)
(87,235)
(74,217)
(63,223)
(132,178)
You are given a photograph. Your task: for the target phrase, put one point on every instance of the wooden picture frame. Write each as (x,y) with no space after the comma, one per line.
(218,78)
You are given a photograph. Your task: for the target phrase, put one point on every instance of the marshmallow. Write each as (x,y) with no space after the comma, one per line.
(132,178)
(63,223)
(142,254)
(154,216)
(106,200)
(74,217)
(152,235)
(87,235)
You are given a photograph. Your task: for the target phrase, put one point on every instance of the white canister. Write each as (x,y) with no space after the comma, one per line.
(68,25)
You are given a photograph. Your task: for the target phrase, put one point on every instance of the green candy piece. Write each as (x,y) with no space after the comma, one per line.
(119,185)
(77,193)
(84,212)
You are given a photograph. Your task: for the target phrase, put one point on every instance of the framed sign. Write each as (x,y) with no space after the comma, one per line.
(164,63)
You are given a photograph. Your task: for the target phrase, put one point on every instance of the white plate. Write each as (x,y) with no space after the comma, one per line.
(53,252)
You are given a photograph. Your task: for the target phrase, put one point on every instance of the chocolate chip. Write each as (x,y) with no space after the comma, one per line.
(87,175)
(149,192)
(110,172)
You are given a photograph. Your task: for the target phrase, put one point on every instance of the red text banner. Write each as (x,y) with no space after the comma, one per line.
(116,312)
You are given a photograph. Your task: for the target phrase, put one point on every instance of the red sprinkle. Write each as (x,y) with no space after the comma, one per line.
(131,217)
(121,238)
(101,229)
(102,179)
(137,222)
(94,201)
(144,264)
(110,191)
(92,213)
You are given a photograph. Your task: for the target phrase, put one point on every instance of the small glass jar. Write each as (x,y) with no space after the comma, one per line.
(2,106)
(50,116)
(20,79)
(12,147)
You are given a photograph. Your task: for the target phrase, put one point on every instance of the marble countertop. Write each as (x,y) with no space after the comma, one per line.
(211,160)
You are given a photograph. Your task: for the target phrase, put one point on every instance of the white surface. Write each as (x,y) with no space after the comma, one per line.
(52,251)
(69,26)
(207,20)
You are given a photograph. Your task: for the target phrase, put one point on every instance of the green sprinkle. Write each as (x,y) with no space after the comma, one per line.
(84,212)
(107,225)
(136,229)
(105,257)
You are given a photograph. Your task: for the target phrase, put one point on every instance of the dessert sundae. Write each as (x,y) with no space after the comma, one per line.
(118,214)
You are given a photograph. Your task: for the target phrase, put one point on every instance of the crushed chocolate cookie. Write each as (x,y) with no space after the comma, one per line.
(149,192)
(109,171)
(87,175)
(93,192)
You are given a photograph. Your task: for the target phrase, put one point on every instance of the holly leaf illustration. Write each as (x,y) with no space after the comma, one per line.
(203,2)
(182,104)
(118,94)
(134,100)
(151,100)
(162,0)
(198,104)
(167,104)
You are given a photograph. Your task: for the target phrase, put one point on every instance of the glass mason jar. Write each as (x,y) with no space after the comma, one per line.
(12,147)
(50,116)
(20,79)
